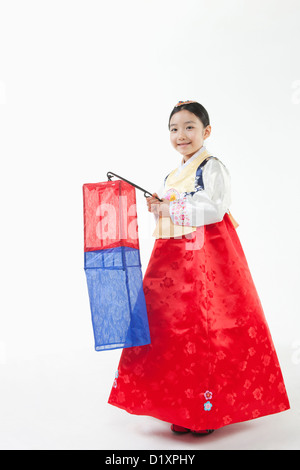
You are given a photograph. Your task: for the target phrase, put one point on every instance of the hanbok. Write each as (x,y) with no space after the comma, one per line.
(211,361)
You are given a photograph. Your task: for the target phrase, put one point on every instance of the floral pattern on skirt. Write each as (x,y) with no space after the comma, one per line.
(211,361)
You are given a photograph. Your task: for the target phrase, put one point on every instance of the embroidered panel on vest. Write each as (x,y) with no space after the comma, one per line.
(199,185)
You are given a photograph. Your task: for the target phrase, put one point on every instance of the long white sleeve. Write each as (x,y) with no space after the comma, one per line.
(208,205)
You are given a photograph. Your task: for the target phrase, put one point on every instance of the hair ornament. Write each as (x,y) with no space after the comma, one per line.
(184,102)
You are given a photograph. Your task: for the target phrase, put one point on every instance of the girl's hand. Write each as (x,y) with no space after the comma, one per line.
(157,207)
(152,203)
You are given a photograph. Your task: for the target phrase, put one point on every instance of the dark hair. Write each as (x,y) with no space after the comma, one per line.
(195,108)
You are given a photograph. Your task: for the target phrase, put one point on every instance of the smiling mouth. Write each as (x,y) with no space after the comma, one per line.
(187,143)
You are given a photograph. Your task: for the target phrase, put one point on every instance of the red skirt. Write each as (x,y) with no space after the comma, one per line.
(211,361)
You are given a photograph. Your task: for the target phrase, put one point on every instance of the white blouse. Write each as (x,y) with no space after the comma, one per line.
(208,205)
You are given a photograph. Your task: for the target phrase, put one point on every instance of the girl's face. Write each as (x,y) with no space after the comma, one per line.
(187,133)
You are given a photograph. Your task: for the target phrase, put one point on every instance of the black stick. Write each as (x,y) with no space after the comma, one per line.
(110,174)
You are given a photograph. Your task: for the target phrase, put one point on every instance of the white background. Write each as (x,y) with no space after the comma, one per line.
(87,87)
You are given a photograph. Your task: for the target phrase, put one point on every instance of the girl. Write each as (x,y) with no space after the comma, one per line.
(211,361)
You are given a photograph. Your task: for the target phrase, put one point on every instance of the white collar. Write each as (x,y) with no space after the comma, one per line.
(183,165)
